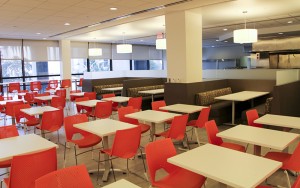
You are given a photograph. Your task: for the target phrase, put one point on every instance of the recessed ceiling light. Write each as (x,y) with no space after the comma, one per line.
(289,22)
(280,33)
(225,29)
(38,33)
(217,40)
(44,38)
(225,41)
(67,24)
(212,46)
(113,8)
(141,40)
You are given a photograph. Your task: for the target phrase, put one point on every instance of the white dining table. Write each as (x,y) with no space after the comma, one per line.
(228,167)
(279,121)
(152,92)
(104,128)
(122,184)
(23,144)
(39,110)
(117,99)
(240,96)
(152,116)
(113,89)
(259,137)
(89,103)
(81,94)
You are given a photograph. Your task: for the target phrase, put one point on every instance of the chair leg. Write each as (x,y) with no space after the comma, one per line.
(287,179)
(112,168)
(98,166)
(143,159)
(75,154)
(187,141)
(65,161)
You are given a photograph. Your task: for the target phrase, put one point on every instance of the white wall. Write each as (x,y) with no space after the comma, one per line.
(287,76)
(131,73)
(264,74)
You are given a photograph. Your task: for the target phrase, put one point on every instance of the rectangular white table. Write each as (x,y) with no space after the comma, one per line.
(152,92)
(227,166)
(183,108)
(118,99)
(3,103)
(113,89)
(152,116)
(259,137)
(279,121)
(121,184)
(39,110)
(47,98)
(104,128)
(240,96)
(81,94)
(89,103)
(24,144)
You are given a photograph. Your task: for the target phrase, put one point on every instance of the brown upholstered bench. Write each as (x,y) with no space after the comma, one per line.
(99,91)
(134,92)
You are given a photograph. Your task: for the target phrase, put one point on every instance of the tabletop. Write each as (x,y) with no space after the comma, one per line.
(103,127)
(39,110)
(233,168)
(45,98)
(89,103)
(24,144)
(280,121)
(242,96)
(259,136)
(152,116)
(121,184)
(113,89)
(153,91)
(4,102)
(183,108)
(81,94)
(118,99)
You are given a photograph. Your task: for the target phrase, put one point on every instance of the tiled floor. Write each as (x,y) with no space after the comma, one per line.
(136,165)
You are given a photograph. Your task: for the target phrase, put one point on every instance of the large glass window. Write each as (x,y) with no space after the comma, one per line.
(119,65)
(156,64)
(78,66)
(11,68)
(140,65)
(42,68)
(97,65)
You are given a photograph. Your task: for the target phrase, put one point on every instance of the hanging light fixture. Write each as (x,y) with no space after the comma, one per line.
(161,42)
(95,51)
(124,48)
(245,35)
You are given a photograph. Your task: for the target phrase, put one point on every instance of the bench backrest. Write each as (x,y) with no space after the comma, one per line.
(208,97)
(134,92)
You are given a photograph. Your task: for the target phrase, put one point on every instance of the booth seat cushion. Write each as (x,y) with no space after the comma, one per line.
(208,97)
(134,92)
(98,89)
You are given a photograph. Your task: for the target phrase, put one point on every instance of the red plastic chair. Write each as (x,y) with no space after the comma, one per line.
(80,82)
(36,86)
(51,121)
(9,109)
(80,108)
(90,95)
(155,105)
(52,84)
(40,102)
(102,110)
(212,130)
(157,154)
(6,132)
(200,122)
(135,102)
(25,169)
(128,110)
(29,121)
(29,98)
(86,140)
(22,91)
(295,185)
(61,93)
(71,177)
(58,102)
(177,129)
(14,87)
(66,83)
(72,98)
(122,149)
(251,116)
(115,104)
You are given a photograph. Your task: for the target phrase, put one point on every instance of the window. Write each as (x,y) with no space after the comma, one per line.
(140,65)
(11,68)
(78,66)
(118,65)
(156,65)
(97,65)
(42,68)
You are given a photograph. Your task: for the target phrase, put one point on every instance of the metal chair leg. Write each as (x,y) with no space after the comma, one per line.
(65,161)
(112,168)
(75,154)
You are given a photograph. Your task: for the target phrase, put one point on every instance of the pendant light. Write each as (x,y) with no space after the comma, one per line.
(245,35)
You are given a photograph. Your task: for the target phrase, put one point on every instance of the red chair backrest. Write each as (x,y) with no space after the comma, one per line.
(8,131)
(135,102)
(157,153)
(294,162)
(79,107)
(124,111)
(19,114)
(108,95)
(61,93)
(212,130)
(66,83)
(10,107)
(178,127)
(296,183)
(69,121)
(52,120)
(58,102)
(35,86)
(251,116)
(29,97)
(80,82)
(74,176)
(25,169)
(203,117)
(155,105)
(90,95)
(52,84)
(103,109)
(129,148)
(13,87)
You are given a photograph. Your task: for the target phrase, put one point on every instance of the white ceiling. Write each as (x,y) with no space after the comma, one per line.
(25,18)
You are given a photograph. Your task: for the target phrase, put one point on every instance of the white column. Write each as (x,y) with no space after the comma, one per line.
(65,53)
(184,46)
